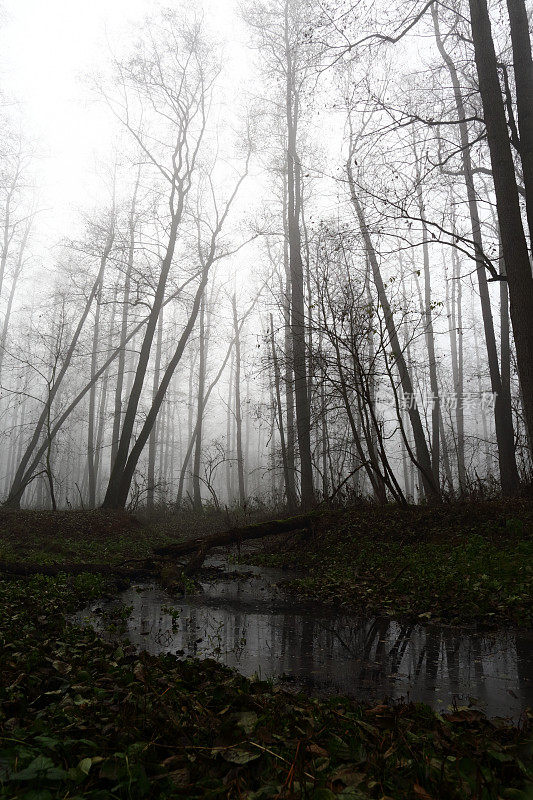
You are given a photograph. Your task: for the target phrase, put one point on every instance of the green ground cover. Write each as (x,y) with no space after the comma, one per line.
(91,536)
(80,718)
(463,563)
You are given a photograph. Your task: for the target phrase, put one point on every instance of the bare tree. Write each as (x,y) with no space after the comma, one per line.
(514,245)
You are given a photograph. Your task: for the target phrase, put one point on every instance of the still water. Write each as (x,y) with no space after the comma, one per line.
(246,621)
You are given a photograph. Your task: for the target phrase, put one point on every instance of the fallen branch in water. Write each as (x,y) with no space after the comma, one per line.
(200,546)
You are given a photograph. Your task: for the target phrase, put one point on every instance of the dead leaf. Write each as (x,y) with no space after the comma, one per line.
(421,792)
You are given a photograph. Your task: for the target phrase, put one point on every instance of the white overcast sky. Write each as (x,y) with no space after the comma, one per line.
(49,49)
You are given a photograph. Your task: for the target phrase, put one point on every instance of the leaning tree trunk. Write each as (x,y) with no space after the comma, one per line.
(113,494)
(430,340)
(423,458)
(19,481)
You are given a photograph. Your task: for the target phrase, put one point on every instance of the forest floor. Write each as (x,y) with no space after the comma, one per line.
(462,563)
(466,563)
(81,718)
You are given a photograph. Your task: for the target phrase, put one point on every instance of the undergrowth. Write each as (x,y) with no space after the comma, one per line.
(81,718)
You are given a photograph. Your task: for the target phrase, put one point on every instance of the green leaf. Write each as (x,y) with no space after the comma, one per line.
(236,755)
(85,765)
(265,792)
(41,768)
(247,720)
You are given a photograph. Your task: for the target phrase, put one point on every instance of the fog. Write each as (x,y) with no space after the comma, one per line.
(262,254)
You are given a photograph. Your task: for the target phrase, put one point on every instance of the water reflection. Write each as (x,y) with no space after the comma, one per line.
(258,630)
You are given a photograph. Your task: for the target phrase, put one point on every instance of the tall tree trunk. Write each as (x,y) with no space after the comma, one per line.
(117,417)
(102,411)
(142,438)
(92,406)
(430,338)
(523,73)
(152,440)
(457,345)
(514,245)
(502,409)
(229,441)
(202,344)
(291,499)
(193,433)
(289,372)
(116,477)
(298,324)
(482,415)
(505,338)
(238,409)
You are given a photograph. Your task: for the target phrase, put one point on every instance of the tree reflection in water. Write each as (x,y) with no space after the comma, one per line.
(261,632)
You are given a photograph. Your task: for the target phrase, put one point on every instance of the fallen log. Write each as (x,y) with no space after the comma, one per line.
(201,545)
(197,547)
(144,570)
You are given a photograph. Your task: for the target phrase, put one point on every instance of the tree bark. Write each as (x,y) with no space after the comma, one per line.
(152,441)
(514,245)
(502,409)
(431,489)
(523,73)
(430,339)
(298,324)
(117,416)
(238,409)
(202,344)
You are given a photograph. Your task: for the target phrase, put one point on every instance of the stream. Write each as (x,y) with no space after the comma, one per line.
(243,618)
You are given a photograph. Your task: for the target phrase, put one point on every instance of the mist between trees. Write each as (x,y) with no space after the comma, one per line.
(308,275)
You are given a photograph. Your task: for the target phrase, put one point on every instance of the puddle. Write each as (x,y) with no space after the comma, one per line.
(249,623)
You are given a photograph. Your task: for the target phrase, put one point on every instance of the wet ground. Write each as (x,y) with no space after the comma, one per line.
(246,620)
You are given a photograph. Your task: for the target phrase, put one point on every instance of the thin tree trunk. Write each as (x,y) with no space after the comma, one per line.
(18,485)
(289,374)
(456,334)
(202,344)
(431,489)
(229,451)
(291,500)
(104,395)
(152,441)
(238,410)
